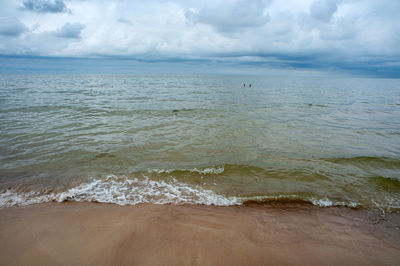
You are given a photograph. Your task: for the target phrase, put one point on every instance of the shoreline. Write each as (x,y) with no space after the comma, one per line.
(103,234)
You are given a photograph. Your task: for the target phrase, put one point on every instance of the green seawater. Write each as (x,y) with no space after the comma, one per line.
(205,139)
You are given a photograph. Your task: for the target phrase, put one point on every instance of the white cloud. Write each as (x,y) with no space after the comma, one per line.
(318,29)
(226,16)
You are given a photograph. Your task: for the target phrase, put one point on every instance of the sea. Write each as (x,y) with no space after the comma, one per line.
(326,140)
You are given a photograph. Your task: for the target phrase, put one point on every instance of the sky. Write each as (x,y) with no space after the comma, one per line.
(360,36)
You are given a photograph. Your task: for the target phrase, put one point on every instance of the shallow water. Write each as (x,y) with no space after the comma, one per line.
(200,139)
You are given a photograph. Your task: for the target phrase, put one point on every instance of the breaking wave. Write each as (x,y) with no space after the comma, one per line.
(123,191)
(297,200)
(133,191)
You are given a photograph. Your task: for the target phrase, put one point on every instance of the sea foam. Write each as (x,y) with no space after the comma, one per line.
(123,191)
(205,171)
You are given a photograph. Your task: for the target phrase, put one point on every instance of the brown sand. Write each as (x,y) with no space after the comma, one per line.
(104,234)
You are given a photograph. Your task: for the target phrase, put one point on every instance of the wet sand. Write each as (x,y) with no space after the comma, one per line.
(106,234)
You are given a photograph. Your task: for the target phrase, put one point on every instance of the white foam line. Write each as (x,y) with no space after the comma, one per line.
(209,170)
(328,203)
(124,191)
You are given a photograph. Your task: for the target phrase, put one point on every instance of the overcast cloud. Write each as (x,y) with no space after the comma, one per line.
(296,33)
(11,27)
(45,6)
(70,30)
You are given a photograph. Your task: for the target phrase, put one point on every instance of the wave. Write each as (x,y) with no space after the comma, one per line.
(132,191)
(196,186)
(297,200)
(389,184)
(123,191)
(368,161)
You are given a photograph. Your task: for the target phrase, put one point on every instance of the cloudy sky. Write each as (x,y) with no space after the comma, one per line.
(311,34)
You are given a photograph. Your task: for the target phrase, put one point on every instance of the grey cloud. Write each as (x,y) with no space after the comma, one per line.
(323,10)
(232,16)
(70,30)
(11,27)
(339,31)
(125,21)
(208,29)
(45,6)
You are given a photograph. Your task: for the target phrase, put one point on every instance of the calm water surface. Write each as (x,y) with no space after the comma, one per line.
(200,139)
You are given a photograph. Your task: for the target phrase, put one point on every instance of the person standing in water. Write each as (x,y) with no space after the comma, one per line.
(250,85)
(244,85)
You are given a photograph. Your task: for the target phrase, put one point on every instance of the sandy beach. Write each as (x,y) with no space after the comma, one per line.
(107,234)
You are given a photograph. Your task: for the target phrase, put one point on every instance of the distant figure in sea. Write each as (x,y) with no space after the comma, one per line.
(250,85)
(244,85)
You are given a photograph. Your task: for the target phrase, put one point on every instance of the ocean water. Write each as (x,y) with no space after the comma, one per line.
(126,139)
